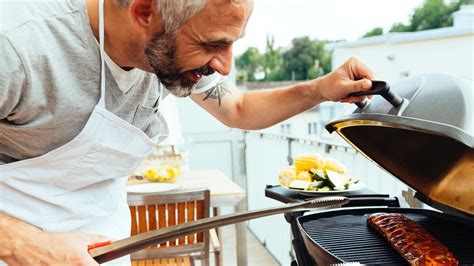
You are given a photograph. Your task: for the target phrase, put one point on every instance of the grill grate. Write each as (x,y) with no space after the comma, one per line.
(349,238)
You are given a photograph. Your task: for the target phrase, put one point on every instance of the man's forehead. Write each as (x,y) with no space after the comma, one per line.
(244,6)
(230,1)
(225,13)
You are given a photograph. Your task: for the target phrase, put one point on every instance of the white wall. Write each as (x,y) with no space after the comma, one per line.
(453,55)
(208,142)
(299,124)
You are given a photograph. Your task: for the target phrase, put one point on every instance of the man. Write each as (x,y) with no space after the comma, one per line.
(71,129)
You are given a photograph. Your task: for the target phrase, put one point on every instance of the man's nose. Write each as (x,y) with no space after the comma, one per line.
(222,62)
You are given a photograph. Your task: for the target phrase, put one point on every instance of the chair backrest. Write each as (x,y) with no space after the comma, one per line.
(160,210)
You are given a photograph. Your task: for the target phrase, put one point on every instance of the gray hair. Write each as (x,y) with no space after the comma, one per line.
(174,12)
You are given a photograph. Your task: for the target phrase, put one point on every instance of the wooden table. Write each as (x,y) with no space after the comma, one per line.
(224,193)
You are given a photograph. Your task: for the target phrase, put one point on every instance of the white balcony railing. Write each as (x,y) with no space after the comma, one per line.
(266,154)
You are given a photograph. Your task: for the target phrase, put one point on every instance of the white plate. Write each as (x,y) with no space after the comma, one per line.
(352,188)
(151,188)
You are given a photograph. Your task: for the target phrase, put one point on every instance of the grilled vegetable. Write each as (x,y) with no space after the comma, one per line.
(334,165)
(325,188)
(308,161)
(299,184)
(315,185)
(336,180)
(305,176)
(318,175)
(287,175)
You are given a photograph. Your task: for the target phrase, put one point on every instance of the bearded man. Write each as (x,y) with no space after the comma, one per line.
(81,82)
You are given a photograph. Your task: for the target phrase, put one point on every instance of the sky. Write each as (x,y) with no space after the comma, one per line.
(321,19)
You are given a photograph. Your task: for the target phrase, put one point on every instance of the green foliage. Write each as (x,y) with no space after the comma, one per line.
(248,64)
(305,59)
(399,27)
(374,32)
(302,61)
(272,59)
(431,15)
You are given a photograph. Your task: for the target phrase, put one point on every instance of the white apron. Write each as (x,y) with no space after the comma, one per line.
(80,185)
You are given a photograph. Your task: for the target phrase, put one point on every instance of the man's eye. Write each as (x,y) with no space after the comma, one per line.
(213,46)
(209,47)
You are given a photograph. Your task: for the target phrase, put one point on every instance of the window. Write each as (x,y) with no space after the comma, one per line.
(285,129)
(312,128)
(404,74)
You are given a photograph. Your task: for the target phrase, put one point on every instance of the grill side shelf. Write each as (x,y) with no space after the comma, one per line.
(364,197)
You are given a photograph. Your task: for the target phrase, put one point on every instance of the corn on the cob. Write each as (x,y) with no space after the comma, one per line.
(334,165)
(304,175)
(287,175)
(308,161)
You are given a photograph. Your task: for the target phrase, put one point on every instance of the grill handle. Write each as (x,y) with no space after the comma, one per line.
(379,88)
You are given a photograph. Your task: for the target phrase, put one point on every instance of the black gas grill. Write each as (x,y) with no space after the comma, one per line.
(343,236)
(422,132)
(359,198)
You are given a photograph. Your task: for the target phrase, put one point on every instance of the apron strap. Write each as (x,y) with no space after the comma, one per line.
(102,60)
(102,54)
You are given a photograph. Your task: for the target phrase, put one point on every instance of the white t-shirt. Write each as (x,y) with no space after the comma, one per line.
(124,79)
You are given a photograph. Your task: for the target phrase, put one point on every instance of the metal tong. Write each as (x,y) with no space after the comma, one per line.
(103,252)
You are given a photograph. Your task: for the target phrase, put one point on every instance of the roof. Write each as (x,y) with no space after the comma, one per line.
(402,37)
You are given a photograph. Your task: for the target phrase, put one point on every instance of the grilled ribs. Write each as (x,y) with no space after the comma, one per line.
(411,240)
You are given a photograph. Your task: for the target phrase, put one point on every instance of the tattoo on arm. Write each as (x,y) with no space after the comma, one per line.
(219,91)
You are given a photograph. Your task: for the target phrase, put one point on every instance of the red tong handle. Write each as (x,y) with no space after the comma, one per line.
(98,244)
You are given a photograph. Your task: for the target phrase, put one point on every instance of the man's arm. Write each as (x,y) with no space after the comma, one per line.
(264,108)
(24,244)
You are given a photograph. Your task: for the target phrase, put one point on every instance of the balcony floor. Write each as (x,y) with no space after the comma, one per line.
(256,252)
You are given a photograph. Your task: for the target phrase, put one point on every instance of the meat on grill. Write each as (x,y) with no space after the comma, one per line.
(411,240)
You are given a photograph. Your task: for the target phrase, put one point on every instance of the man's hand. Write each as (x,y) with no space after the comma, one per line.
(350,77)
(40,248)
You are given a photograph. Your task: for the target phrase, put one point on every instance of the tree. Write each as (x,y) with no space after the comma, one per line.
(433,14)
(325,61)
(272,60)
(248,64)
(374,32)
(304,59)
(399,27)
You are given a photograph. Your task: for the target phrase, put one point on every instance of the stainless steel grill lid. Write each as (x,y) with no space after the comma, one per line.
(425,139)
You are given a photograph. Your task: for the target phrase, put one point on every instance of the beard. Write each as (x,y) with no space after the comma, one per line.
(161,54)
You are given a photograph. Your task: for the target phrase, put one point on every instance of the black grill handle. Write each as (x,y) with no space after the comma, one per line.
(379,88)
(373,201)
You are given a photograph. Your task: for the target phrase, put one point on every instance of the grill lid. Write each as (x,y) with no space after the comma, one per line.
(425,140)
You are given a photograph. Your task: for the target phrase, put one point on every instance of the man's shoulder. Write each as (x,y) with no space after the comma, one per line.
(16,14)
(47,33)
(39,24)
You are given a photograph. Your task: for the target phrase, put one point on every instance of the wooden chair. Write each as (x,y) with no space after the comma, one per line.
(160,210)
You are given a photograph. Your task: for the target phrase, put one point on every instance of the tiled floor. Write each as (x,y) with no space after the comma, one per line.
(257,255)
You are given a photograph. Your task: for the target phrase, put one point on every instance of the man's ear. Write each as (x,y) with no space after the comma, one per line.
(144,16)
